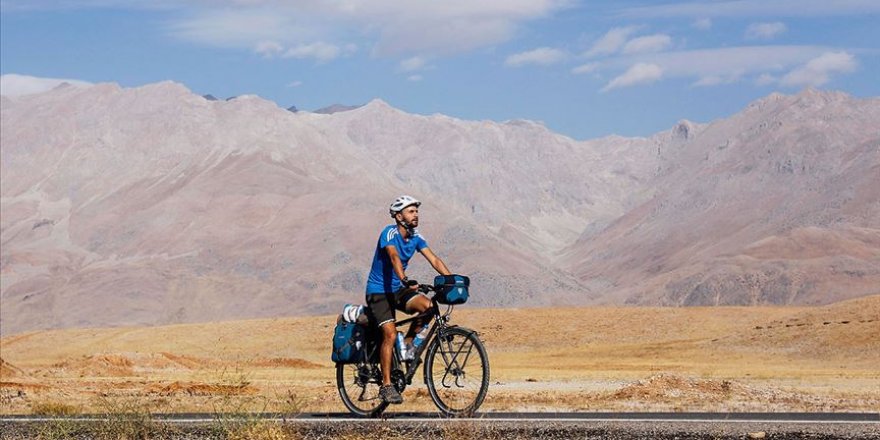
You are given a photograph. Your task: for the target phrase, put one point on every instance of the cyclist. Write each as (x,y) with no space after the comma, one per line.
(389,289)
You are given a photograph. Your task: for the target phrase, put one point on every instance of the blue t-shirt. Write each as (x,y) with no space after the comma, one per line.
(382,278)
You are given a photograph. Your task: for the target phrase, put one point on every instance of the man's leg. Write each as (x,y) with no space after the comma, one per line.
(418,304)
(383,315)
(389,337)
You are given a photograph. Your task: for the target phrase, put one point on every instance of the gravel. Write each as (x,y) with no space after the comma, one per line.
(447,429)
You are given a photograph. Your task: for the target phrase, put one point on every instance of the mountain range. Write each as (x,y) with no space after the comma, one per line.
(154,205)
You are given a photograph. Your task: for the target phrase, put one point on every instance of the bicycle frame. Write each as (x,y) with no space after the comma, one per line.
(438,321)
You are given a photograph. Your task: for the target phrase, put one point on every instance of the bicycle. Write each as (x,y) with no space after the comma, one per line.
(449,351)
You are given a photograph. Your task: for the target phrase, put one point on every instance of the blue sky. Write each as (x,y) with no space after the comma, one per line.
(584,68)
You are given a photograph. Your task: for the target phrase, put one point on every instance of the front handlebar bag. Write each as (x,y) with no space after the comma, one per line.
(451,289)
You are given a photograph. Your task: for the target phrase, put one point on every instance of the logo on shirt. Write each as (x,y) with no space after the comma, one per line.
(391,234)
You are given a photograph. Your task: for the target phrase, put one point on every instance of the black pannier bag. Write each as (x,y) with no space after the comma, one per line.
(451,289)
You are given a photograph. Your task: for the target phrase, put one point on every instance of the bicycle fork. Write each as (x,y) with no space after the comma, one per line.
(453,365)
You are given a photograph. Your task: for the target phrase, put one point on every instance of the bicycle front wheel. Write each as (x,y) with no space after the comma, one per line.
(457,371)
(359,388)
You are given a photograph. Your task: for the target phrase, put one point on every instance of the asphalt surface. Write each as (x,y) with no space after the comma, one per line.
(694,417)
(485,426)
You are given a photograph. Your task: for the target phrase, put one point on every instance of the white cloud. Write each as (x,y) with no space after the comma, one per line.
(709,81)
(320,51)
(755,8)
(717,80)
(703,24)
(640,73)
(55,5)
(449,27)
(723,61)
(413,64)
(712,67)
(765,31)
(765,79)
(818,71)
(242,28)
(414,78)
(611,42)
(294,84)
(543,56)
(650,43)
(12,84)
(268,48)
(585,68)
(388,27)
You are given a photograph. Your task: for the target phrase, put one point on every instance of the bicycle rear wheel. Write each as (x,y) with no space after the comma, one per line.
(457,371)
(358,386)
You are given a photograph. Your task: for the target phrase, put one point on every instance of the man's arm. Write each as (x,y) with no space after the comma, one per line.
(435,261)
(395,261)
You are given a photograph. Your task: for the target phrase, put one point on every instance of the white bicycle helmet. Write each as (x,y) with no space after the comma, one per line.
(402,202)
(351,312)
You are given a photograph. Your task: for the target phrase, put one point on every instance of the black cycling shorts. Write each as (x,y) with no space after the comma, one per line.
(382,306)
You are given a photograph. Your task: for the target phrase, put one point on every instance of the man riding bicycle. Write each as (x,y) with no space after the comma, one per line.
(389,289)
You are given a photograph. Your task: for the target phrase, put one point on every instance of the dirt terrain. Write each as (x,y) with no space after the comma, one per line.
(542,359)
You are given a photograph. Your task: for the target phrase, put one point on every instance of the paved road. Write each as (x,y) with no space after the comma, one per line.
(486,426)
(682,417)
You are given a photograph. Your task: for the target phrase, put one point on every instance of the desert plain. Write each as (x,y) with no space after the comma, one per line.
(780,358)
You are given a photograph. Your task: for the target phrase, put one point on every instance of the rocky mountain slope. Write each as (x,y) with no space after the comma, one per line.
(154,205)
(778,204)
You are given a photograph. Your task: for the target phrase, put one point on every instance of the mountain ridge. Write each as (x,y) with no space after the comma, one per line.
(153,205)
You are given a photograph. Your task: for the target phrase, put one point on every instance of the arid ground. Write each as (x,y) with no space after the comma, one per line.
(574,359)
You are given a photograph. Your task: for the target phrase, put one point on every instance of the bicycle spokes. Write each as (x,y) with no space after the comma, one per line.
(361,382)
(455,360)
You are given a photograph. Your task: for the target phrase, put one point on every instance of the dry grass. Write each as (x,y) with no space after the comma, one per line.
(263,430)
(126,418)
(53,408)
(468,430)
(730,358)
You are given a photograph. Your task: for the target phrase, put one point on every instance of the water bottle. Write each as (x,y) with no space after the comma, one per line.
(401,345)
(410,352)
(420,338)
